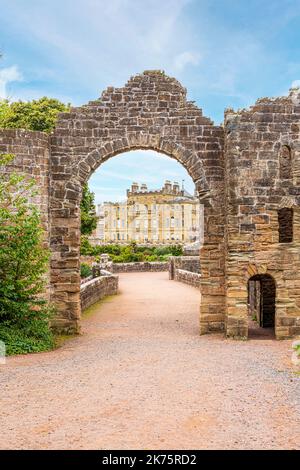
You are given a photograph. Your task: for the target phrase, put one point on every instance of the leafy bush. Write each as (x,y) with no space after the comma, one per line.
(28,336)
(130,253)
(85,270)
(24,315)
(296,347)
(150,258)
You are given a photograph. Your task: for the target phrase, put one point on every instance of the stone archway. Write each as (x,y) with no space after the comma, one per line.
(150,112)
(240,186)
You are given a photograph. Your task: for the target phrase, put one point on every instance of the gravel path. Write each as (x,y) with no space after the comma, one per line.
(140,377)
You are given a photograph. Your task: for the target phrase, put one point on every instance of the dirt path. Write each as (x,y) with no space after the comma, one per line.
(141,378)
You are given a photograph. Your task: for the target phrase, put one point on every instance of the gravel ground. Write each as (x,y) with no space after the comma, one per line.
(140,377)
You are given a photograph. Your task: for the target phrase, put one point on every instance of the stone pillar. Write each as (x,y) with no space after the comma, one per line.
(212,262)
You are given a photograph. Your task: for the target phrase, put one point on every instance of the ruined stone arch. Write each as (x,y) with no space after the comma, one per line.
(150,112)
(236,171)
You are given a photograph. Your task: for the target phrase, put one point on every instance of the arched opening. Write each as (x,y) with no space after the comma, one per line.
(261,305)
(148,210)
(146,197)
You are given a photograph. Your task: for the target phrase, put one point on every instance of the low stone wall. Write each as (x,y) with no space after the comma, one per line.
(94,290)
(154,266)
(186,263)
(188,277)
(149,266)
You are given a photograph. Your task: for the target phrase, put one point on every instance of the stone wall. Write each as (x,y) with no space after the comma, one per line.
(150,112)
(187,277)
(187,263)
(262,177)
(153,266)
(245,173)
(96,289)
(130,267)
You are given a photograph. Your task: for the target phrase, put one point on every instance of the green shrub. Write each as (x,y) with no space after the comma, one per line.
(130,253)
(85,270)
(24,314)
(28,335)
(88,211)
(172,250)
(150,258)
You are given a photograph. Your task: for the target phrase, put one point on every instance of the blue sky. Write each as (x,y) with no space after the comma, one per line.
(110,181)
(227,53)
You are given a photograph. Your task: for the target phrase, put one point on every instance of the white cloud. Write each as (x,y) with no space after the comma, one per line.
(8,75)
(186,58)
(296,84)
(78,48)
(99,43)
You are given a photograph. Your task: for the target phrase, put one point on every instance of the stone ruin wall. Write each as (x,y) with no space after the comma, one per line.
(256,142)
(151,112)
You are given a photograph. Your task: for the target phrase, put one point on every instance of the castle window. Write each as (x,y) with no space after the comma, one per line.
(285,225)
(285,164)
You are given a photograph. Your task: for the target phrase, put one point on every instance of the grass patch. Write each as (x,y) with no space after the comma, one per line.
(35,336)
(61,339)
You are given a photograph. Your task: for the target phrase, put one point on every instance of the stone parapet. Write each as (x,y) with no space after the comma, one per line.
(187,277)
(96,289)
(153,266)
(187,263)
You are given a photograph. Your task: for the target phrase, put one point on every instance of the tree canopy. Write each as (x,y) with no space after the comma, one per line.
(88,211)
(35,115)
(41,115)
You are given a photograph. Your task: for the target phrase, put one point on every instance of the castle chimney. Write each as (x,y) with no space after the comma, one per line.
(175,187)
(134,187)
(168,187)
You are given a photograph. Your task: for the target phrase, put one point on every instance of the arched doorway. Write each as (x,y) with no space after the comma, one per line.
(150,112)
(261,304)
(144,197)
